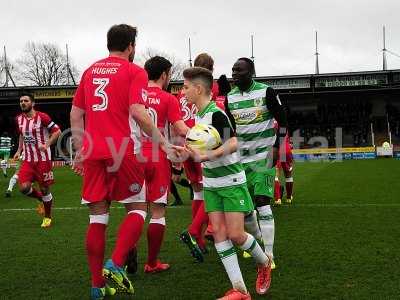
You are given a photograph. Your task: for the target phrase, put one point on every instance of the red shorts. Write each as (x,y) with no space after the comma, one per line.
(193,171)
(102,183)
(287,164)
(40,171)
(157,176)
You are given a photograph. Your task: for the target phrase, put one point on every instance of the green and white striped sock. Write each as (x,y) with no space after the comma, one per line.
(227,254)
(251,225)
(251,246)
(267,226)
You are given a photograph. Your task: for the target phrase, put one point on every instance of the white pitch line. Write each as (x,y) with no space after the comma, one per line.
(349,205)
(62,208)
(174,207)
(30,209)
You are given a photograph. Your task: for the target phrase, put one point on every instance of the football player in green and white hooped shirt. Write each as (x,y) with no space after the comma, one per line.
(254,106)
(5,149)
(226,197)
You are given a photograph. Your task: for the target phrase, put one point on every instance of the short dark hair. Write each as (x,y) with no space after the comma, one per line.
(250,62)
(27,94)
(157,65)
(205,61)
(202,74)
(120,36)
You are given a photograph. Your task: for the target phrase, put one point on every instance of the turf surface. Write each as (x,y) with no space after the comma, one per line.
(339,240)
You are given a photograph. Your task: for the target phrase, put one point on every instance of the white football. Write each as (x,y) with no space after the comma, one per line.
(203,137)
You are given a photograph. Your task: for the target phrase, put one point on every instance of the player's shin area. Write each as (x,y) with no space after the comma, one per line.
(228,225)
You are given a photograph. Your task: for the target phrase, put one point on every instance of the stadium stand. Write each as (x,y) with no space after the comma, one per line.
(356,102)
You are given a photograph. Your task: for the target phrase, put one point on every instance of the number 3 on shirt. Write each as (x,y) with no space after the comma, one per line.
(99,92)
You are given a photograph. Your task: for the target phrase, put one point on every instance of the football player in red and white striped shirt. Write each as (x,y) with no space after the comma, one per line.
(37,132)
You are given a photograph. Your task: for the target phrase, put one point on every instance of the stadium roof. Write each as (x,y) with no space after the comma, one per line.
(287,84)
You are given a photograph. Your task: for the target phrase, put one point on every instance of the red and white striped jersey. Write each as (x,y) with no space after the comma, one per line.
(35,131)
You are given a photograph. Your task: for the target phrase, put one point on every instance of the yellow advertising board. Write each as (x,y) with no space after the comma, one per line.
(54,93)
(333,150)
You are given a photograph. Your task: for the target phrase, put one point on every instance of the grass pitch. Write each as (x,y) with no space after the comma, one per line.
(340,239)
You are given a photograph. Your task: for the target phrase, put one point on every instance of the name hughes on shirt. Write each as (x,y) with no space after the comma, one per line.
(104,71)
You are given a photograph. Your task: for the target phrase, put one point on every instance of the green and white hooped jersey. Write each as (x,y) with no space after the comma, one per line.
(5,143)
(226,171)
(254,122)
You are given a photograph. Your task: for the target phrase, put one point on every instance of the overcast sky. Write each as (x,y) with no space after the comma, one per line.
(350,31)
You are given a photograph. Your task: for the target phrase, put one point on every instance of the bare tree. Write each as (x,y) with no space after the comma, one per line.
(177,65)
(44,64)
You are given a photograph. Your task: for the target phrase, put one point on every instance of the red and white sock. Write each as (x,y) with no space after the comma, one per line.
(155,236)
(200,221)
(95,246)
(128,235)
(47,203)
(277,189)
(289,187)
(33,193)
(196,202)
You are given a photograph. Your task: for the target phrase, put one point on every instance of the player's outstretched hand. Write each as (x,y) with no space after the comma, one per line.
(195,154)
(176,153)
